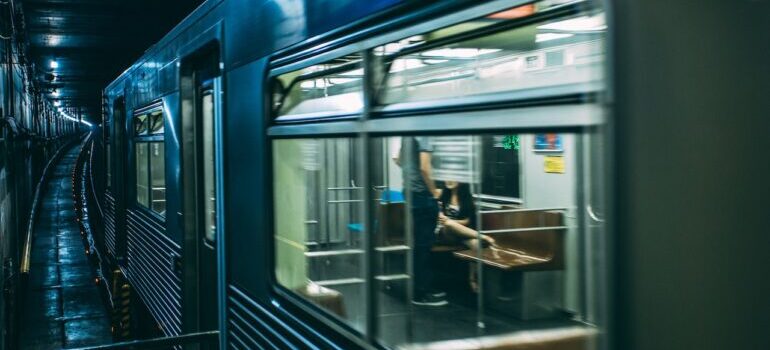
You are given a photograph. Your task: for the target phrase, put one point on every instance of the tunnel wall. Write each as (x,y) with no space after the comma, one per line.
(30,134)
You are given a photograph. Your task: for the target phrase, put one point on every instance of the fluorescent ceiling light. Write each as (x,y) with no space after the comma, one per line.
(551,36)
(54,64)
(458,53)
(55,93)
(57,103)
(579,24)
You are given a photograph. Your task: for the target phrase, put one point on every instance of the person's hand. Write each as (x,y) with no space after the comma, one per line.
(491,241)
(442,219)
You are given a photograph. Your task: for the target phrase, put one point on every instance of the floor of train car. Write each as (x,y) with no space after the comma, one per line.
(458,319)
(63,306)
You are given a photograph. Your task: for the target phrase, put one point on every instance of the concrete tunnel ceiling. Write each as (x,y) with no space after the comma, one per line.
(92,42)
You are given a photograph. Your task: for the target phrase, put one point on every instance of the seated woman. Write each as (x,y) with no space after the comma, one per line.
(457,221)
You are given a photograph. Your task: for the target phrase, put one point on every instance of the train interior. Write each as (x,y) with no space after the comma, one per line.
(525,192)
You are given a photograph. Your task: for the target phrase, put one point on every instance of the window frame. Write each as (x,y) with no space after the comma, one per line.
(516,112)
(147,137)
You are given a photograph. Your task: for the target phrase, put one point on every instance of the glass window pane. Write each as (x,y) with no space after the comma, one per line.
(566,51)
(156,122)
(328,89)
(319,251)
(209,168)
(158,175)
(140,124)
(477,235)
(142,186)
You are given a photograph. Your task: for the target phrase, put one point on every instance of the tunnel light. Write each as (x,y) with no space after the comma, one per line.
(54,64)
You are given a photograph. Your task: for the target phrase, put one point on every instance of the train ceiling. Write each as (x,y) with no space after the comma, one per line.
(79,46)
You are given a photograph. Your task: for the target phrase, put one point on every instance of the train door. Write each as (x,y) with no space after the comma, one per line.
(118,181)
(201,117)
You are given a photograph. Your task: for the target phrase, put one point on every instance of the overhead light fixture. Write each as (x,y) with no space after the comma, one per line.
(54,64)
(57,103)
(579,24)
(55,93)
(551,36)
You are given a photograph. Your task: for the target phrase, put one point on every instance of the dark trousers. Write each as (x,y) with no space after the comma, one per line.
(424,210)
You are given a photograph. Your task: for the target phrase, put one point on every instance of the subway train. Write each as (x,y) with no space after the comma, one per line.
(430,175)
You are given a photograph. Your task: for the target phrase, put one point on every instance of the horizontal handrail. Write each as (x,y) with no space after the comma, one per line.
(190,338)
(527,229)
(523,210)
(27,251)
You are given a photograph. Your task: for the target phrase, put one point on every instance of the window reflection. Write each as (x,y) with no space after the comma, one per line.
(318,224)
(481,249)
(209,167)
(141,173)
(472,234)
(158,175)
(335,86)
(149,162)
(556,53)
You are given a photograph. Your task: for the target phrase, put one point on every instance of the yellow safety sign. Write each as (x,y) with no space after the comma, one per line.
(554,164)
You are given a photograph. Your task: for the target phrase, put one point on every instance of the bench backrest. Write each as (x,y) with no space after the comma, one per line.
(541,243)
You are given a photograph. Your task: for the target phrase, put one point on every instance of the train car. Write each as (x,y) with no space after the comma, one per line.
(369,174)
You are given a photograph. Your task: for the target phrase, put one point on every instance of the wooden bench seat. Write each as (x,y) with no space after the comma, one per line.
(327,298)
(539,245)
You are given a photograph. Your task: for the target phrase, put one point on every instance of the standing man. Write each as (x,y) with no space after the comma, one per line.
(414,158)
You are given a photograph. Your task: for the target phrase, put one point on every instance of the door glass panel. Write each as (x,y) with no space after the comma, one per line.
(209,167)
(476,235)
(142,173)
(319,252)
(158,174)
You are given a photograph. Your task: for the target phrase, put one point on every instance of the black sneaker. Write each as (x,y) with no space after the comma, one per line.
(429,300)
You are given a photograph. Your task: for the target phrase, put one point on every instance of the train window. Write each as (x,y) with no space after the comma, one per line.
(142,170)
(330,89)
(564,52)
(454,235)
(319,253)
(470,262)
(155,121)
(158,178)
(209,166)
(140,125)
(150,161)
